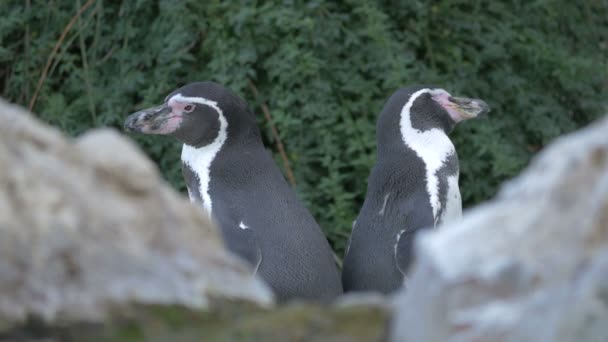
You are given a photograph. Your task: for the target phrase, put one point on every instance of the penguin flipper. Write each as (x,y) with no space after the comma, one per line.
(350,238)
(244,243)
(404,250)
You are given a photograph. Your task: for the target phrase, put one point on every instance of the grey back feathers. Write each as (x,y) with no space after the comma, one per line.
(413,185)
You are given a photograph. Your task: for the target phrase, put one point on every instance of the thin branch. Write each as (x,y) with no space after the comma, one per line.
(86,71)
(125,41)
(427,42)
(26,84)
(65,47)
(188,48)
(337,260)
(275,134)
(55,49)
(106,57)
(94,47)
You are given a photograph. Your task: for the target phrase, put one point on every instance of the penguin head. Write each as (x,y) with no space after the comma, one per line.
(430,107)
(196,114)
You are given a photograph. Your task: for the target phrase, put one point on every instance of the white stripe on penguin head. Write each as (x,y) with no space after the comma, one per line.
(432,146)
(200,159)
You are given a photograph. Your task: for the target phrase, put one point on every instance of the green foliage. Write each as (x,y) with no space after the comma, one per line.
(324,69)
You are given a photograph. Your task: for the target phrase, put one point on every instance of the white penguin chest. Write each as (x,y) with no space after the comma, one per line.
(434,148)
(453,203)
(199,160)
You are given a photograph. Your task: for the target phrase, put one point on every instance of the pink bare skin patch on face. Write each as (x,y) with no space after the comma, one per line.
(443,98)
(174,120)
(160,123)
(180,107)
(171,124)
(460,108)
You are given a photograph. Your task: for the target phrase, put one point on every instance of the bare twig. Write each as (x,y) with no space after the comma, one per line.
(87,74)
(94,47)
(427,43)
(26,84)
(64,48)
(55,49)
(337,260)
(275,134)
(106,56)
(188,48)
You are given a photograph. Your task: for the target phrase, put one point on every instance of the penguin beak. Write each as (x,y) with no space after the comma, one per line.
(155,120)
(466,108)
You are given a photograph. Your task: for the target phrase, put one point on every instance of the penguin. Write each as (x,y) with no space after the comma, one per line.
(412,186)
(235,181)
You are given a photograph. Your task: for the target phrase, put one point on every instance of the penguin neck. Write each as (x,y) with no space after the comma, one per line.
(433,146)
(199,160)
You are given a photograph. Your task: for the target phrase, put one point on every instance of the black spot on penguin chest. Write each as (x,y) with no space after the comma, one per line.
(192,182)
(449,168)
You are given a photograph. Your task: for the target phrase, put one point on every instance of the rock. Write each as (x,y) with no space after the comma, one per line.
(364,299)
(95,247)
(531,265)
(293,322)
(88,229)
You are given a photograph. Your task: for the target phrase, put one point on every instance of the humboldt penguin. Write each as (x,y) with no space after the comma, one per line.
(412,186)
(229,173)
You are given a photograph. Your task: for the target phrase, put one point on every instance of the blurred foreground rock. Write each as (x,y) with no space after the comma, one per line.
(94,246)
(531,265)
(88,227)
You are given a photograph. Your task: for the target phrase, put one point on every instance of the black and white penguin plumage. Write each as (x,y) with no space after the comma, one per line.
(231,175)
(413,185)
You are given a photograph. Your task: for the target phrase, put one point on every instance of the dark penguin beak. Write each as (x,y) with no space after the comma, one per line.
(468,108)
(149,121)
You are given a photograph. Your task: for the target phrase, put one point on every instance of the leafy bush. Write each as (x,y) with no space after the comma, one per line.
(324,69)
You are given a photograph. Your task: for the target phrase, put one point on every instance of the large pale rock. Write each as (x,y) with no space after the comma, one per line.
(95,247)
(308,322)
(88,227)
(531,265)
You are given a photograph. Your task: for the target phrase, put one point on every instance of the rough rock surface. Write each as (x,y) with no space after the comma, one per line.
(88,226)
(94,247)
(531,265)
(306,322)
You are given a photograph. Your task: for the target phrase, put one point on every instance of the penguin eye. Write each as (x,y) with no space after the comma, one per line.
(188,108)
